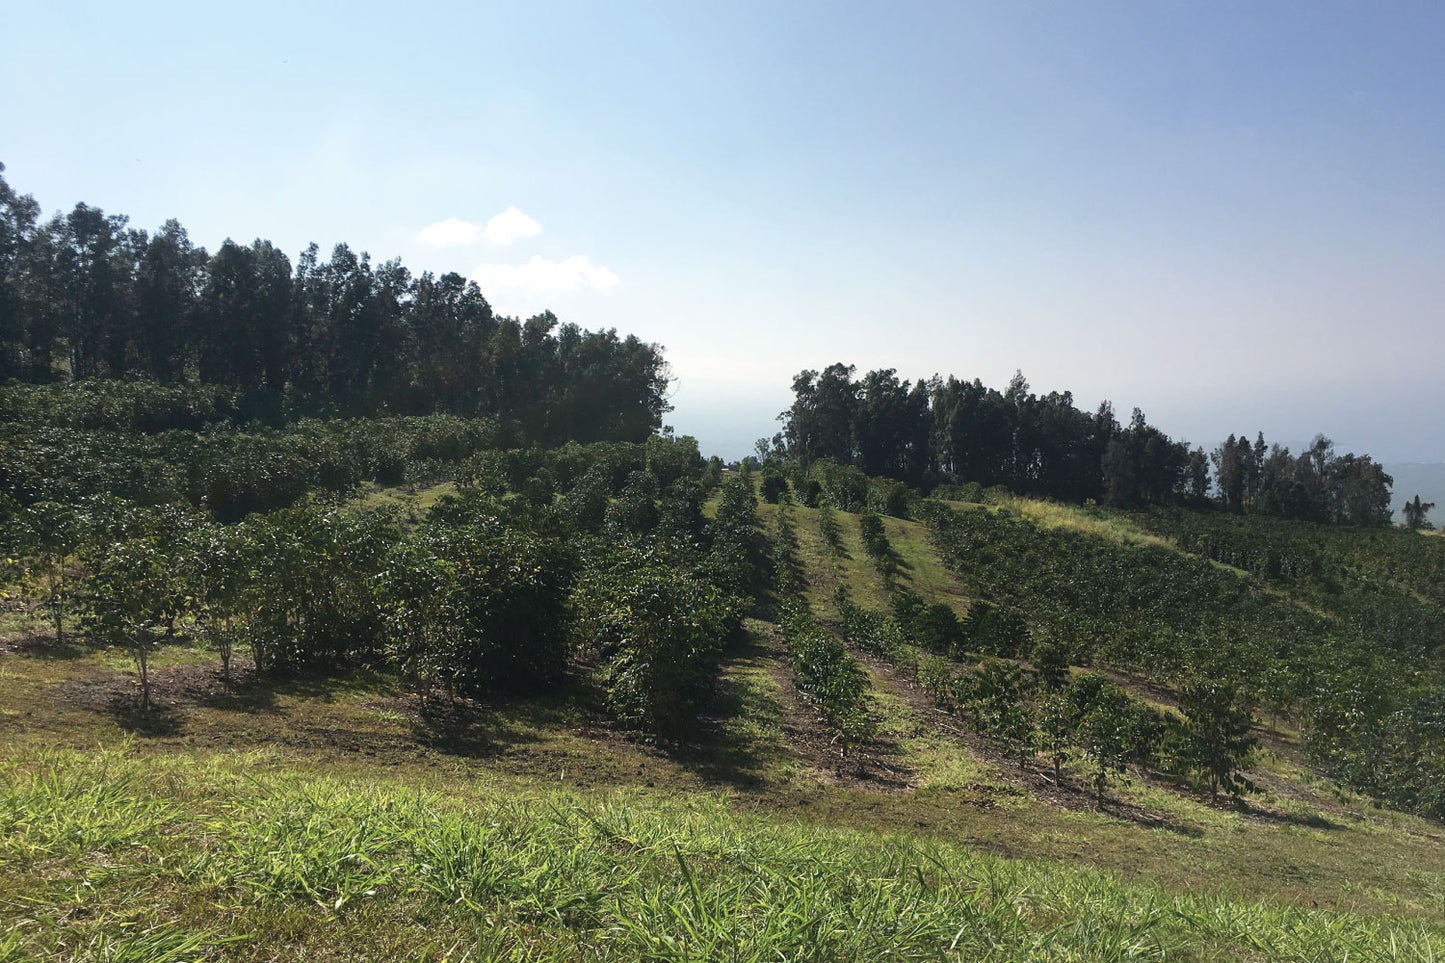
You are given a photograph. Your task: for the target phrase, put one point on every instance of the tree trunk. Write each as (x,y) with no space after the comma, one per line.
(57,607)
(145,684)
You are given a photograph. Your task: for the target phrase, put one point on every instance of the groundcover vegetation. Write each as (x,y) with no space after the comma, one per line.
(118,855)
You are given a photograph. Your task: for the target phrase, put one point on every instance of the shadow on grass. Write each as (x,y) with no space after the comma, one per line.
(45,647)
(1281,817)
(463,727)
(723,747)
(1151,820)
(247,693)
(153,722)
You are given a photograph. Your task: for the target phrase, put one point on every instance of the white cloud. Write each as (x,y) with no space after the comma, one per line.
(502,229)
(449,232)
(543,276)
(510,225)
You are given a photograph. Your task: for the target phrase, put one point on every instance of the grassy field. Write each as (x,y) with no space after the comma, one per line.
(119,855)
(337,818)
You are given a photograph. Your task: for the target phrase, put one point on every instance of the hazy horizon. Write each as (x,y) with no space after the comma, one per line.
(1232,218)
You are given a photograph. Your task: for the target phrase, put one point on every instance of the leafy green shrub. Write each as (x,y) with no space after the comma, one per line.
(477,608)
(309,593)
(936,675)
(870,631)
(889,497)
(634,511)
(585,505)
(829,678)
(1052,664)
(1214,740)
(995,630)
(831,531)
(786,564)
(1056,730)
(658,630)
(936,627)
(843,486)
(875,539)
(1103,724)
(738,557)
(133,597)
(773,485)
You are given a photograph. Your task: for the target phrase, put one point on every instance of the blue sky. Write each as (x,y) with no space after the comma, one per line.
(1229,215)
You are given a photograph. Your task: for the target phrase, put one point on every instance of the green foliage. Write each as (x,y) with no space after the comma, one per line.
(235,472)
(585,505)
(635,508)
(1000,684)
(680,515)
(307,581)
(994,630)
(1057,719)
(889,497)
(997,702)
(658,630)
(936,676)
(870,631)
(831,530)
(809,493)
(774,484)
(1215,740)
(1051,662)
(132,407)
(784,554)
(829,678)
(875,539)
(46,535)
(133,597)
(476,607)
(934,627)
(844,487)
(1104,730)
(738,560)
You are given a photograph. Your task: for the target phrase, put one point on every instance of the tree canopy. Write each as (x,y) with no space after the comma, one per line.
(949,431)
(83,295)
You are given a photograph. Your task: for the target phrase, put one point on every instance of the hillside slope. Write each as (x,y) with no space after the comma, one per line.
(339,817)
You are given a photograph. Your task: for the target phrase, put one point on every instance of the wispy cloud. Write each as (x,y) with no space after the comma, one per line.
(502,229)
(543,276)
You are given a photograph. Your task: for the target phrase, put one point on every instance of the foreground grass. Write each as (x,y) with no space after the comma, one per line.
(110,854)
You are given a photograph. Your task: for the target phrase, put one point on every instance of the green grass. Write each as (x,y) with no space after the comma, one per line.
(1049,514)
(250,816)
(940,762)
(920,568)
(403,497)
(853,569)
(119,855)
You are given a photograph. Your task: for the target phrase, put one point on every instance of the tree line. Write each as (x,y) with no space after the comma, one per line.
(948,431)
(83,296)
